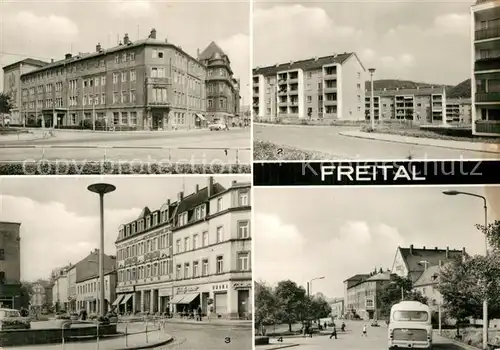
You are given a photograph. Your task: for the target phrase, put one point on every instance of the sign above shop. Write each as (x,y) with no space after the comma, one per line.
(124,289)
(165,292)
(182,290)
(239,285)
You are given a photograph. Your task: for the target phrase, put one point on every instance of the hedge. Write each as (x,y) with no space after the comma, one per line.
(110,168)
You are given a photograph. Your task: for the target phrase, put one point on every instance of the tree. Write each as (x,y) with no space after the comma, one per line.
(26,292)
(319,308)
(400,288)
(5,102)
(266,308)
(492,232)
(290,299)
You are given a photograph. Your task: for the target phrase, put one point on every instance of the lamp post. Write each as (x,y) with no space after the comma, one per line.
(372,110)
(485,301)
(101,189)
(309,284)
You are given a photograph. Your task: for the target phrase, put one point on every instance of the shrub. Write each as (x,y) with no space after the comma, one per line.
(260,340)
(263,150)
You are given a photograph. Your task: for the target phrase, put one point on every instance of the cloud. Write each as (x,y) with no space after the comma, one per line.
(453,23)
(132,8)
(52,235)
(41,28)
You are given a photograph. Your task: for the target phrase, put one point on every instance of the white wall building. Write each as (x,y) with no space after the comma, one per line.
(88,293)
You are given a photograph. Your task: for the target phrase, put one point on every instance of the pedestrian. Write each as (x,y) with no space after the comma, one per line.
(364,334)
(334,333)
(199,313)
(342,327)
(325,325)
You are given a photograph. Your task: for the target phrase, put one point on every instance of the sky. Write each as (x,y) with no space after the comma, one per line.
(50,29)
(424,41)
(304,233)
(60,218)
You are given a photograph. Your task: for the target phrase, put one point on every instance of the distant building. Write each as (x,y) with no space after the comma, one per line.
(428,285)
(10,264)
(458,110)
(423,105)
(88,292)
(485,82)
(42,295)
(60,288)
(328,88)
(337,306)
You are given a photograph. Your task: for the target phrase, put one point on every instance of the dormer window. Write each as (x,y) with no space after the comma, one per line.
(148,222)
(155,219)
(219,204)
(127,231)
(133,228)
(182,219)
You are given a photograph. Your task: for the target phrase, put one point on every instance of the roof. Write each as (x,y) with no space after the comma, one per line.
(421,91)
(384,276)
(197,198)
(89,267)
(210,50)
(308,64)
(357,277)
(145,212)
(428,277)
(30,61)
(483,1)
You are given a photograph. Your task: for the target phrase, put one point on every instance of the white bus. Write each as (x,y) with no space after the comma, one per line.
(410,326)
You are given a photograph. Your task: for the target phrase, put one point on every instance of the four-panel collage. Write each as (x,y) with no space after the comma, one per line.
(249,174)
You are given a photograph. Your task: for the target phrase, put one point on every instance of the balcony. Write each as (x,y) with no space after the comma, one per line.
(293,80)
(281,81)
(294,103)
(329,90)
(283,104)
(488,33)
(282,93)
(488,97)
(484,64)
(488,126)
(293,92)
(330,115)
(330,76)
(330,102)
(158,81)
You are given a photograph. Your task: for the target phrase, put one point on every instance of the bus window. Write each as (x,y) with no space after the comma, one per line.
(417,316)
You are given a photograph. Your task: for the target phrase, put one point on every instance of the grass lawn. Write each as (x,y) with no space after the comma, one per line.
(474,336)
(264,150)
(11,131)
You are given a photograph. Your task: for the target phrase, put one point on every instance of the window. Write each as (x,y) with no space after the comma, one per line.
(124,77)
(132,75)
(243,199)
(186,244)
(308,87)
(178,245)
(195,241)
(243,229)
(220,264)
(309,99)
(219,204)
(243,261)
(205,239)
(2,254)
(195,269)
(186,270)
(204,267)
(220,234)
(115,78)
(178,272)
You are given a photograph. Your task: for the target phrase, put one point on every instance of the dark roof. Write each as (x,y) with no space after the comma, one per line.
(89,268)
(358,277)
(309,64)
(428,277)
(197,198)
(413,257)
(422,91)
(145,212)
(483,1)
(384,276)
(210,50)
(31,61)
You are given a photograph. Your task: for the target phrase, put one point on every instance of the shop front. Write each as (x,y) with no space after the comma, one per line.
(123,303)
(186,301)
(243,291)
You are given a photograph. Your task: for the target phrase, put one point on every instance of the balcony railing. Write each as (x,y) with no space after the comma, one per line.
(330,102)
(488,33)
(281,81)
(330,76)
(488,97)
(282,93)
(329,90)
(283,104)
(487,64)
(488,126)
(293,92)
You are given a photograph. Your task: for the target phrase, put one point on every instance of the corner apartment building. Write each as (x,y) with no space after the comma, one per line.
(10,264)
(189,253)
(88,292)
(459,110)
(485,82)
(425,105)
(148,84)
(329,88)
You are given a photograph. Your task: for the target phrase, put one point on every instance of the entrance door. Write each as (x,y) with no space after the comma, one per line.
(157,121)
(204,302)
(220,301)
(243,298)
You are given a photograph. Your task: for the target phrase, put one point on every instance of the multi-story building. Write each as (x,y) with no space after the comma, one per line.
(10,264)
(88,292)
(59,279)
(428,285)
(222,89)
(458,110)
(42,295)
(425,105)
(329,88)
(71,281)
(485,82)
(209,266)
(145,84)
(12,84)
(337,306)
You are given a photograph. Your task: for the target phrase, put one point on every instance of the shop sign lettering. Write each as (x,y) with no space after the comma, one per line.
(182,290)
(238,285)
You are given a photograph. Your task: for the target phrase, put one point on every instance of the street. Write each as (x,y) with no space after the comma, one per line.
(197,146)
(327,140)
(352,339)
(209,337)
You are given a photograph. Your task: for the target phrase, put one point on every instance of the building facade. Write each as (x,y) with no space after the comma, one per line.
(148,84)
(428,285)
(338,309)
(10,264)
(459,111)
(42,295)
(60,291)
(485,82)
(88,293)
(325,88)
(424,105)
(194,251)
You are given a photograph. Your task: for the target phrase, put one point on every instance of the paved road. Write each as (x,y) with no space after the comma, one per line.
(197,146)
(208,337)
(352,340)
(327,140)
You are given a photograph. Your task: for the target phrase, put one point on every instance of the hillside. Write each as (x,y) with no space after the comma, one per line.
(460,90)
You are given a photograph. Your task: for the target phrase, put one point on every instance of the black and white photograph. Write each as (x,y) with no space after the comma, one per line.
(377,268)
(376,80)
(125,263)
(121,82)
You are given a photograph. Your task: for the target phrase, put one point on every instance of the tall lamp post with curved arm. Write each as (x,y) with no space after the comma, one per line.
(485,301)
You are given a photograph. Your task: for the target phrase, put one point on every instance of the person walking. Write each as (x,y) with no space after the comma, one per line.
(342,327)
(334,332)
(199,313)
(364,334)
(325,325)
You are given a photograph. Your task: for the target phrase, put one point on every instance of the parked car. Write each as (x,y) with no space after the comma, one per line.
(12,319)
(217,127)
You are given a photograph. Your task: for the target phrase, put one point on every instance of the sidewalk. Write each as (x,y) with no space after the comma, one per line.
(25,136)
(438,337)
(217,322)
(420,141)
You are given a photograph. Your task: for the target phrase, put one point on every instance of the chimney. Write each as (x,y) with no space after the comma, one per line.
(168,202)
(197,188)
(447,252)
(51,60)
(180,196)
(423,247)
(435,248)
(125,39)
(152,35)
(210,186)
(463,251)
(67,56)
(98,47)
(411,249)
(197,52)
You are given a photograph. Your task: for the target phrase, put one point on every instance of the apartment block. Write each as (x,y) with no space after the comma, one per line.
(425,105)
(192,252)
(148,84)
(10,264)
(485,82)
(329,88)
(459,110)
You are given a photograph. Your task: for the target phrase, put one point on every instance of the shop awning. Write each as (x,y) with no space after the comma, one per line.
(176,299)
(118,299)
(127,298)
(188,298)
(201,116)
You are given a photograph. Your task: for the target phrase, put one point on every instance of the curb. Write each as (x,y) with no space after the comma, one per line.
(418,144)
(279,346)
(461,345)
(305,126)
(150,346)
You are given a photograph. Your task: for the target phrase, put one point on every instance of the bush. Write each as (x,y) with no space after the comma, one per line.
(260,340)
(264,150)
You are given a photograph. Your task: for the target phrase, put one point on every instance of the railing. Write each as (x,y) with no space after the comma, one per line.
(330,76)
(488,126)
(487,33)
(488,97)
(483,64)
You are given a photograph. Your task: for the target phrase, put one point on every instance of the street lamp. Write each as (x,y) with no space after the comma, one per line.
(485,301)
(101,189)
(372,110)
(309,284)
